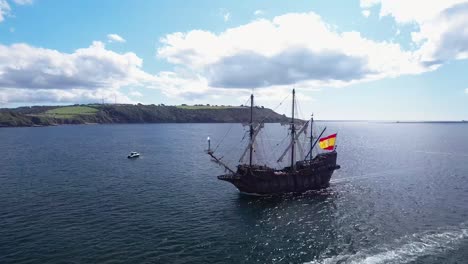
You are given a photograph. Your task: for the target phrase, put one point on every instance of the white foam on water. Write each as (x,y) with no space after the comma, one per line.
(406,249)
(254,194)
(376,174)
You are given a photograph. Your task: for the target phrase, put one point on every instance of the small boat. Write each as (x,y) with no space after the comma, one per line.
(133,155)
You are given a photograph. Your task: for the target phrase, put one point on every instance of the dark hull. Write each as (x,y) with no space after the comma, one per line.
(307,176)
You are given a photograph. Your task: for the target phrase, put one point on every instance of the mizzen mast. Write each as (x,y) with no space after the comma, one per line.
(293,131)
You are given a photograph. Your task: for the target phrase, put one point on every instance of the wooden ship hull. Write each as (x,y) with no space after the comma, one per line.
(308,175)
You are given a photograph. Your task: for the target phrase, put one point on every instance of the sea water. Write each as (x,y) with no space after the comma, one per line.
(68,194)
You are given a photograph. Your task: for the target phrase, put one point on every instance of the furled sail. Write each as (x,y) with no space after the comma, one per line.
(295,138)
(257,130)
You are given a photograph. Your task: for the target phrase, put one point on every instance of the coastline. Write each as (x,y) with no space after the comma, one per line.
(39,116)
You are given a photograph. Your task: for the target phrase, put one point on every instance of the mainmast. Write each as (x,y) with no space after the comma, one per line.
(293,131)
(311,135)
(251,129)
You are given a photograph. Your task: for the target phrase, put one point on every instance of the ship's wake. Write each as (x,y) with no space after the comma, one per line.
(406,249)
(377,174)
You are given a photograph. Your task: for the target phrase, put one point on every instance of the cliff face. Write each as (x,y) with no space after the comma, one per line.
(108,114)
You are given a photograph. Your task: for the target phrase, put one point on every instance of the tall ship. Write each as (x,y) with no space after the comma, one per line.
(304,173)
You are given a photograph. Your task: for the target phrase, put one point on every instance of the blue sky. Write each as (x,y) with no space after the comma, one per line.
(367,59)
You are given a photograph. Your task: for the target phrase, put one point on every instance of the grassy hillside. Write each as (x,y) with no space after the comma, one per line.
(108,114)
(70,111)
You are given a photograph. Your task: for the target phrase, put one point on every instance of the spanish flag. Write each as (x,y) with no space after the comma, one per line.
(328,143)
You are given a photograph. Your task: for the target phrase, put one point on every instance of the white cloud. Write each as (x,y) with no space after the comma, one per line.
(32,75)
(4,9)
(115,38)
(369,3)
(444,37)
(135,93)
(274,54)
(266,53)
(24,66)
(23,2)
(366,13)
(259,12)
(441,33)
(405,11)
(181,84)
(72,96)
(196,89)
(466,90)
(38,74)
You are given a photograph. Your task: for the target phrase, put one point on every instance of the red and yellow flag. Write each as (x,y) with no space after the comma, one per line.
(328,143)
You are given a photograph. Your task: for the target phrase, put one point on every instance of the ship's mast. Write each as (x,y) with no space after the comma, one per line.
(293,131)
(311,135)
(251,129)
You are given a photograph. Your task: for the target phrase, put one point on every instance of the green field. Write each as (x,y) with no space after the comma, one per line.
(71,111)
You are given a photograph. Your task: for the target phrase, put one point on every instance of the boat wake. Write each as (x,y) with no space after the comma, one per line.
(406,249)
(376,174)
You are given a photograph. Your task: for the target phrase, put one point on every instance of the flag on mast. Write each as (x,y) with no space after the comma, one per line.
(328,143)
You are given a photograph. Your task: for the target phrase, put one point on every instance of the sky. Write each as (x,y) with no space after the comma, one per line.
(347,60)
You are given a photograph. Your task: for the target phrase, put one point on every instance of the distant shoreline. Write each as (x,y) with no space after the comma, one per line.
(39,116)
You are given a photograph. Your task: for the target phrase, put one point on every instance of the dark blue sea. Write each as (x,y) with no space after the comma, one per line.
(68,194)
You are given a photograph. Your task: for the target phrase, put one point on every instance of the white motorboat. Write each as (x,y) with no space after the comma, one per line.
(133,155)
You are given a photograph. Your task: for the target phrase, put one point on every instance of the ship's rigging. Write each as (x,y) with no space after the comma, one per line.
(298,144)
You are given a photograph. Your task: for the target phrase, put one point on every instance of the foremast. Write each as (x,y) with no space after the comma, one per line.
(251,132)
(311,136)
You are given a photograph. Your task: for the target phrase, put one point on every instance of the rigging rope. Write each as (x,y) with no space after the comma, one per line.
(222,139)
(299,109)
(230,127)
(275,108)
(268,143)
(261,122)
